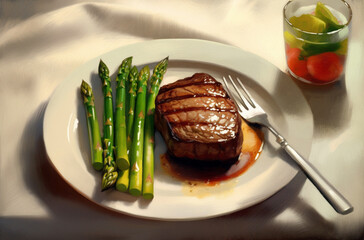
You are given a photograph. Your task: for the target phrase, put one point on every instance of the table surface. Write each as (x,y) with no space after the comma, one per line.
(42,42)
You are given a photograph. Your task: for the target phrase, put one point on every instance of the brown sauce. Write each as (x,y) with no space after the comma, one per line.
(212,173)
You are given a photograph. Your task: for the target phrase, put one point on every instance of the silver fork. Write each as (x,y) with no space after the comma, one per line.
(250,110)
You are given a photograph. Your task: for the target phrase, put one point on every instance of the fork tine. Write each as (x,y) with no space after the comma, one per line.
(242,97)
(250,98)
(240,106)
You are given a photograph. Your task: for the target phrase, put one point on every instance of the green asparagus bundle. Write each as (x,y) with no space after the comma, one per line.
(122,159)
(92,126)
(134,127)
(148,161)
(110,170)
(136,153)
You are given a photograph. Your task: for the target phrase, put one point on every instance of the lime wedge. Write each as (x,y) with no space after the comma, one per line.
(313,48)
(308,23)
(291,40)
(323,13)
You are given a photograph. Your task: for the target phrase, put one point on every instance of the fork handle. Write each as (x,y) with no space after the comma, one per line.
(337,201)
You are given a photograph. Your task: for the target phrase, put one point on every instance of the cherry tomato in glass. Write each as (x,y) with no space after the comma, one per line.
(325,66)
(296,63)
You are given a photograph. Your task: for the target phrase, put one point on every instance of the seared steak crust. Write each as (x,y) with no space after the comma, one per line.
(198,120)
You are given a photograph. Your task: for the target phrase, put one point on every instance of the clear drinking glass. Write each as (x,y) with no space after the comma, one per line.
(316,46)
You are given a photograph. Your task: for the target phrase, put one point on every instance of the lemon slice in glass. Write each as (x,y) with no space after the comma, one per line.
(308,23)
(323,13)
(291,40)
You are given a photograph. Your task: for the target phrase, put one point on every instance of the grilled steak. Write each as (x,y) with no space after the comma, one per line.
(198,120)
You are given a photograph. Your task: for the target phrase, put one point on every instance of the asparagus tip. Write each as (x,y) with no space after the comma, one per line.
(108,180)
(103,69)
(162,66)
(126,63)
(144,70)
(86,90)
(133,72)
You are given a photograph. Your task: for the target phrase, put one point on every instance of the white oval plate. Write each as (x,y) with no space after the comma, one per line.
(66,140)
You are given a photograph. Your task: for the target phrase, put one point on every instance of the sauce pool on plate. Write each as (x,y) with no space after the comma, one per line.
(212,174)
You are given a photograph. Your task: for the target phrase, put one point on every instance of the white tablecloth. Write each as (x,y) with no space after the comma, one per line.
(41,42)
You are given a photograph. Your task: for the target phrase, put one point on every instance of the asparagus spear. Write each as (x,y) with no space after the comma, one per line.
(148,161)
(92,126)
(122,182)
(136,153)
(110,171)
(133,83)
(122,159)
